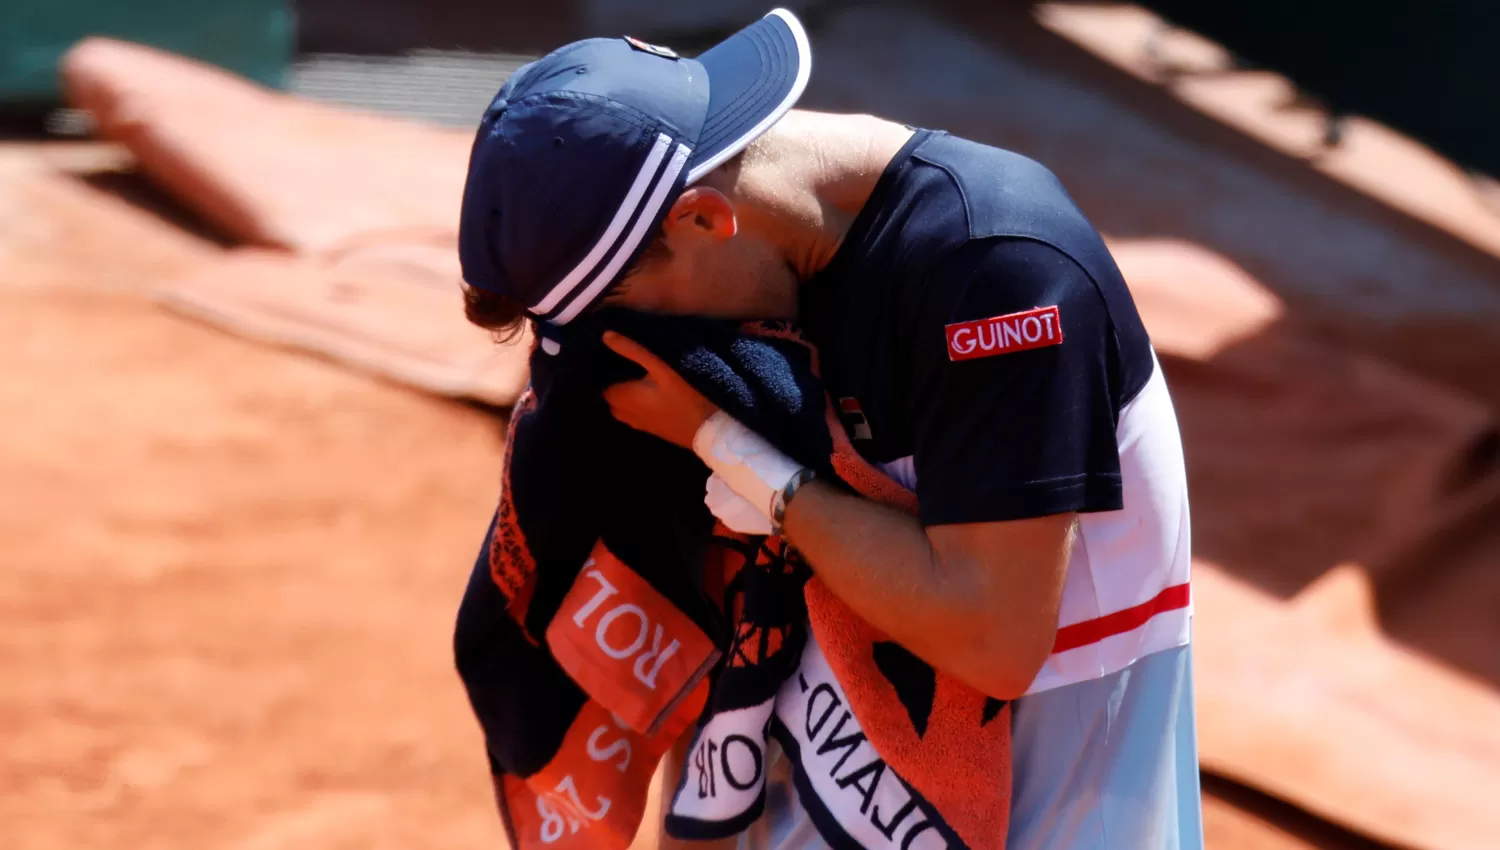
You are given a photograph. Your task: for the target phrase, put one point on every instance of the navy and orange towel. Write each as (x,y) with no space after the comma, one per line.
(610,614)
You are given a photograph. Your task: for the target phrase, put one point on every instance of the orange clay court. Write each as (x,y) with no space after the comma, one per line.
(249,451)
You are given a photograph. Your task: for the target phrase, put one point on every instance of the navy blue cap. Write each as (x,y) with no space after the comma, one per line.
(583,151)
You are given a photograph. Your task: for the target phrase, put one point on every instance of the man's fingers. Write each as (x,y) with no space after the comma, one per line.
(634,351)
(625,396)
(624,404)
(618,394)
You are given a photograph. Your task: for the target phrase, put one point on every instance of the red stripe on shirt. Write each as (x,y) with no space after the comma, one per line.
(1099,628)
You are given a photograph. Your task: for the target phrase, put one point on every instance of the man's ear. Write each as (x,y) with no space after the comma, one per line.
(701,211)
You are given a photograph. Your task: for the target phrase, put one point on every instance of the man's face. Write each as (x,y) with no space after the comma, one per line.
(711,267)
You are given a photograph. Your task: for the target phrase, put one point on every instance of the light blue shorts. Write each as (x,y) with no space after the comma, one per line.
(1108,764)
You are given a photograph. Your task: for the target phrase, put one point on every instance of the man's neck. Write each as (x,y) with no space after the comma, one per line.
(813,174)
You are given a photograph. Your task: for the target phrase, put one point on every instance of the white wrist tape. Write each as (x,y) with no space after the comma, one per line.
(734,510)
(751,467)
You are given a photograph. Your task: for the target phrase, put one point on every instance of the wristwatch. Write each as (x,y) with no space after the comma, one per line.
(783,497)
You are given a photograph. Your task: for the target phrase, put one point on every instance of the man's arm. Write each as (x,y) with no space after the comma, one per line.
(978,601)
(1008,447)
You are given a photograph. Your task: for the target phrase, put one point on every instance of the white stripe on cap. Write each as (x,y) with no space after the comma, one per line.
(653,204)
(622,217)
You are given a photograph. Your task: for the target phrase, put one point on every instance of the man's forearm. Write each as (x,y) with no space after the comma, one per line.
(978,601)
(960,617)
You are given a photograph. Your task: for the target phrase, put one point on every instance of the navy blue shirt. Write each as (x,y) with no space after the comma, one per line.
(1004,419)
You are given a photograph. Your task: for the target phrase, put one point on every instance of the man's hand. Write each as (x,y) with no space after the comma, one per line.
(662,403)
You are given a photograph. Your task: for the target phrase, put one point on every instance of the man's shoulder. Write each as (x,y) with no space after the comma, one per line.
(967,205)
(1004,193)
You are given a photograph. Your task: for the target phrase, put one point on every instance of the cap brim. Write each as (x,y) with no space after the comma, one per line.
(754,77)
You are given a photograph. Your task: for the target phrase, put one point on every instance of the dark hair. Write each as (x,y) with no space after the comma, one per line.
(506,318)
(503,316)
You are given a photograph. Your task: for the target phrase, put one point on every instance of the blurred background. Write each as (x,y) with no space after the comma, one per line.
(250,446)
